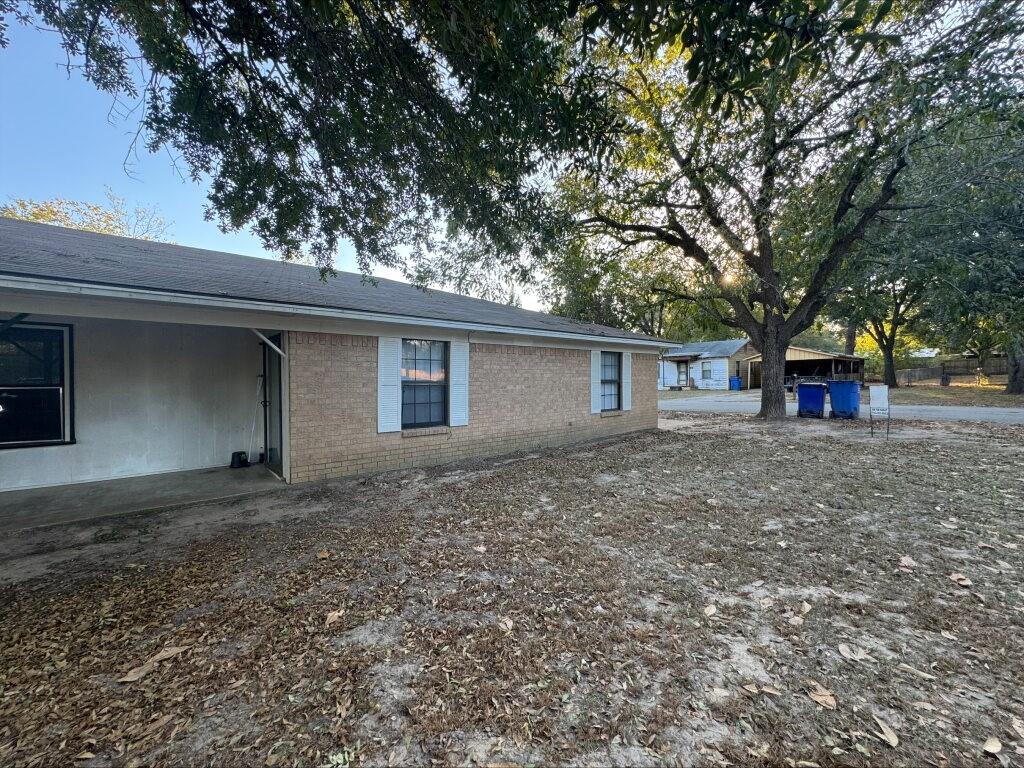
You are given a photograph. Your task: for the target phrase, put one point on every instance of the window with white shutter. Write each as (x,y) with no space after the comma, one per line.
(389,392)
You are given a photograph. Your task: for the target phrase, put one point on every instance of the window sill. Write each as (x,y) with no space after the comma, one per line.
(611,414)
(50,444)
(425,431)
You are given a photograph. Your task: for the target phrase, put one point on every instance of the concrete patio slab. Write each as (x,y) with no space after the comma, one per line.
(55,505)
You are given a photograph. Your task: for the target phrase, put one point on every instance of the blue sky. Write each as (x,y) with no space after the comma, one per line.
(61,137)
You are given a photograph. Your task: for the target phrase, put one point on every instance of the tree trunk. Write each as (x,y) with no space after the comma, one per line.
(984,355)
(1015,366)
(886,343)
(851,338)
(773,375)
(889,372)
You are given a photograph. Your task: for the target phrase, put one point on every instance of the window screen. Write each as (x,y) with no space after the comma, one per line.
(611,381)
(424,383)
(705,370)
(33,394)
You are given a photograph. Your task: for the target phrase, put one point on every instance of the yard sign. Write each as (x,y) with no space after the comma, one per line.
(878,397)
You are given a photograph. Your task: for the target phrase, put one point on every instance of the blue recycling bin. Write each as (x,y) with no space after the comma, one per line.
(734,383)
(844,398)
(810,398)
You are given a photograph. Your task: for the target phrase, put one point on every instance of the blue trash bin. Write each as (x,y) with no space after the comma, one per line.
(734,383)
(844,397)
(810,398)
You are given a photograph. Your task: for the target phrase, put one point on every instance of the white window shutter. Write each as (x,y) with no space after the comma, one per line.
(595,381)
(389,384)
(627,381)
(458,389)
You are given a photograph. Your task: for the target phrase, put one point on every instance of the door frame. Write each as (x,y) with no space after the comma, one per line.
(284,409)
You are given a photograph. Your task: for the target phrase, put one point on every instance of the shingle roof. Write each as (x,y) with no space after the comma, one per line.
(49,252)
(707,349)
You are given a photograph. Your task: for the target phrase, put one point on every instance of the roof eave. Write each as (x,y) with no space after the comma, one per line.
(46,285)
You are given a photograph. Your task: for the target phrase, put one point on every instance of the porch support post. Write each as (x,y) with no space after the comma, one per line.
(269,343)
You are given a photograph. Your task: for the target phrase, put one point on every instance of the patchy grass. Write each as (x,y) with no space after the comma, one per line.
(667,598)
(962,392)
(676,394)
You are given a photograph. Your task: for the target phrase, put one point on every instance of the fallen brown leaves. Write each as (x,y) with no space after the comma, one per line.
(821,695)
(149,665)
(583,605)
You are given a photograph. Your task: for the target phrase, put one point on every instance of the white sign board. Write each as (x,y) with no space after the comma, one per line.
(879,399)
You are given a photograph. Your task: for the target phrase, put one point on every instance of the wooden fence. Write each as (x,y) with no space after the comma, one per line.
(994,366)
(907,376)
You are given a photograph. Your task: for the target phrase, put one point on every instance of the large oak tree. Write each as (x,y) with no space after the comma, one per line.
(771,198)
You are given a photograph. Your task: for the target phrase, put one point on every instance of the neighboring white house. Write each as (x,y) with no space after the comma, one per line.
(668,375)
(704,364)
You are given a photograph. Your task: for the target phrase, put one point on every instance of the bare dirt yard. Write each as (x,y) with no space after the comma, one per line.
(727,593)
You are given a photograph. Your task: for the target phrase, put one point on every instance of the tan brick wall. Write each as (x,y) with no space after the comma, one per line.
(520,398)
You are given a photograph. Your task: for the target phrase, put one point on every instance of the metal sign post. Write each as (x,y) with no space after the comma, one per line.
(878,406)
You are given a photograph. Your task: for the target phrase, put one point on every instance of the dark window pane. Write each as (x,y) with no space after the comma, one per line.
(424,360)
(32,357)
(31,415)
(610,395)
(610,366)
(32,385)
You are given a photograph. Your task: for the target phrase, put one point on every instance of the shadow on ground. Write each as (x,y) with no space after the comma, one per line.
(718,591)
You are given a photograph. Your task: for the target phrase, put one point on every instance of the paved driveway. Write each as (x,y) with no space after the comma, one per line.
(750,402)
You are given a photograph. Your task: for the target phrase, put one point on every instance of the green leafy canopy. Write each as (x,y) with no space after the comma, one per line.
(406,128)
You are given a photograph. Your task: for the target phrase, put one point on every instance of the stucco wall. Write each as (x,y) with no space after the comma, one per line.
(520,398)
(148,397)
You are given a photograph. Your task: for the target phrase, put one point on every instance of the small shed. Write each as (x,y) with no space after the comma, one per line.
(802,362)
(704,364)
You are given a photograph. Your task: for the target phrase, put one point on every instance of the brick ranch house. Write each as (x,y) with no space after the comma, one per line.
(123,358)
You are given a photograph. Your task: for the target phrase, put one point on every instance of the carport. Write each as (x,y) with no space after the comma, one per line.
(802,362)
(105,410)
